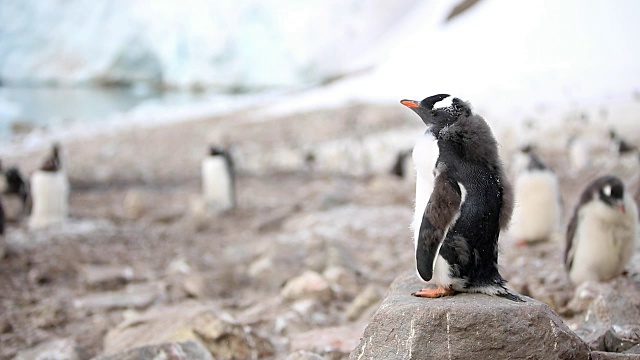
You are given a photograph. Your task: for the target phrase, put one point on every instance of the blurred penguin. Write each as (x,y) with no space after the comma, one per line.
(218,179)
(50,192)
(537,211)
(12,185)
(602,233)
(627,154)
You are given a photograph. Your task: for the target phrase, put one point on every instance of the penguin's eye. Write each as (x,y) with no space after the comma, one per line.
(607,190)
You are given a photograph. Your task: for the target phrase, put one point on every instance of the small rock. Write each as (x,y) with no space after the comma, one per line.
(362,302)
(188,350)
(622,338)
(601,355)
(342,280)
(188,321)
(179,266)
(136,204)
(308,285)
(303,355)
(106,277)
(584,295)
(139,296)
(57,349)
(618,307)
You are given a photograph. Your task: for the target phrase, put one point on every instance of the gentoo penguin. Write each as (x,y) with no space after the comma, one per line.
(537,211)
(620,146)
(456,241)
(601,235)
(218,179)
(50,192)
(12,184)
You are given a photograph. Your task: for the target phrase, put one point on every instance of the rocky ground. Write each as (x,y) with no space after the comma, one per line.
(299,266)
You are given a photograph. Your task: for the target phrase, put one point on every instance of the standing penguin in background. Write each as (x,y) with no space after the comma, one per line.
(12,184)
(456,231)
(218,179)
(537,199)
(50,192)
(601,235)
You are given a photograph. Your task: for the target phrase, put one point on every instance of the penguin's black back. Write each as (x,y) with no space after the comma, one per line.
(471,245)
(470,155)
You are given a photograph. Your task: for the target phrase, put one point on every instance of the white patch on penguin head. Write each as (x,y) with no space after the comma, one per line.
(444,103)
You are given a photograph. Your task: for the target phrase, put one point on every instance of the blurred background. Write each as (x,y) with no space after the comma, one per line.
(64,62)
(303,96)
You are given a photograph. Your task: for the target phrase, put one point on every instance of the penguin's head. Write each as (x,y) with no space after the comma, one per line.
(439,111)
(610,190)
(216,150)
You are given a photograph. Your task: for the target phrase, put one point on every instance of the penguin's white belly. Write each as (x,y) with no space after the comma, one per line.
(604,242)
(50,192)
(217,184)
(442,273)
(537,206)
(425,154)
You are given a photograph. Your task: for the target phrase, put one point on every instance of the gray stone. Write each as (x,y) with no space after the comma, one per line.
(406,327)
(622,338)
(57,349)
(304,355)
(188,321)
(139,296)
(308,285)
(618,307)
(106,277)
(634,350)
(188,350)
(601,355)
(362,302)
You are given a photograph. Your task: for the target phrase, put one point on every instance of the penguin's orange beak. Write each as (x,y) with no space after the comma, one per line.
(410,104)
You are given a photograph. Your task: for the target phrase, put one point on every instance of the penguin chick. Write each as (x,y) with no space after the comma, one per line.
(13,184)
(601,235)
(537,209)
(456,237)
(50,192)
(218,179)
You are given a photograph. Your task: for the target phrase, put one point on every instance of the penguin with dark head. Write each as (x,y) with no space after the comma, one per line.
(218,179)
(49,187)
(52,162)
(537,214)
(13,184)
(601,234)
(472,200)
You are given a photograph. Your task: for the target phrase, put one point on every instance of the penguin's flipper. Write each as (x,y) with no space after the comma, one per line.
(441,211)
(569,251)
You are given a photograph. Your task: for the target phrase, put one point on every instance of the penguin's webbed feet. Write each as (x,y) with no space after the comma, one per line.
(440,291)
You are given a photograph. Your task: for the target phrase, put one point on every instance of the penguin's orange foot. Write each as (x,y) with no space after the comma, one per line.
(440,291)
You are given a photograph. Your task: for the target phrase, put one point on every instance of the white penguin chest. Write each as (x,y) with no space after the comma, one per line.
(604,242)
(425,154)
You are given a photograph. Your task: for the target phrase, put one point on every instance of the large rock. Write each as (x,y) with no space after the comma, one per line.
(406,327)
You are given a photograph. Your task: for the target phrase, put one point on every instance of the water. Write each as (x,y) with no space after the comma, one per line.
(54,107)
